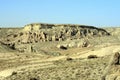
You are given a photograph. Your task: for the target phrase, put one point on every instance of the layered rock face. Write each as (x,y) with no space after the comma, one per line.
(33,33)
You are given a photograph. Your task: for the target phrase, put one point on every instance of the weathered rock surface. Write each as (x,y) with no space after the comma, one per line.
(53,32)
(34,33)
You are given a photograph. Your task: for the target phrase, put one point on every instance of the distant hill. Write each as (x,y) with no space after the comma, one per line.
(41,32)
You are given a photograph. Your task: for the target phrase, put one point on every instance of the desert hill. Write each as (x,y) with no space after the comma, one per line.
(40,32)
(41,51)
(33,33)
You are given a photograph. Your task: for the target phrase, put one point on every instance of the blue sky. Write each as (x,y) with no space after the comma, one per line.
(98,13)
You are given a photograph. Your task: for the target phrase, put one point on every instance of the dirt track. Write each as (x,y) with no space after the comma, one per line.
(36,62)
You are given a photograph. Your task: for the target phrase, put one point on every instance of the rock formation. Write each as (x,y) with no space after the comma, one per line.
(115,60)
(39,32)
(54,32)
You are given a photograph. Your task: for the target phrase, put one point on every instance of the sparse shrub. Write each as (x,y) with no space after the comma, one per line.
(18,40)
(92,56)
(21,33)
(8,40)
(12,46)
(63,47)
(69,59)
(15,35)
(34,79)
(14,73)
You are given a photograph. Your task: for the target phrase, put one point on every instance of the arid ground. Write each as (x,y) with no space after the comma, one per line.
(59,52)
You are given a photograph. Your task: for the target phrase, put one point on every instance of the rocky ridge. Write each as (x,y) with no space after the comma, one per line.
(54,32)
(39,32)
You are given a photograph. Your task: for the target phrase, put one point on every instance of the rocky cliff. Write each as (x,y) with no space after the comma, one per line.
(36,33)
(33,33)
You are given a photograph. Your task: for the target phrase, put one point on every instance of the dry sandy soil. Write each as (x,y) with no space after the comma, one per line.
(72,63)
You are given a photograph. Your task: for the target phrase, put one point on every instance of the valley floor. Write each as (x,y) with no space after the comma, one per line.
(77,66)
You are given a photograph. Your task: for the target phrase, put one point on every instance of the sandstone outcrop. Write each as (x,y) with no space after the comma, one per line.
(33,33)
(39,32)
